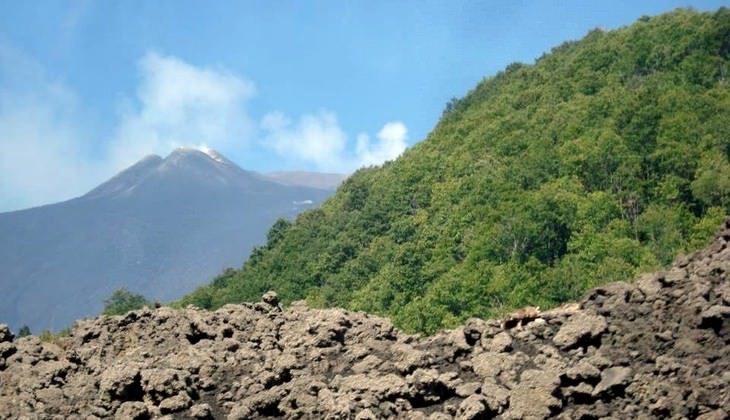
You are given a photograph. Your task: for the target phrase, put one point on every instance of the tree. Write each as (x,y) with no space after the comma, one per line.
(123,301)
(451,106)
(712,184)
(277,231)
(24,331)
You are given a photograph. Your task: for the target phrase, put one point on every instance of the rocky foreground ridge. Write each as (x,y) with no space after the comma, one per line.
(657,348)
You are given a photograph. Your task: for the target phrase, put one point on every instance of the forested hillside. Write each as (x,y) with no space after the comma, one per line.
(605,158)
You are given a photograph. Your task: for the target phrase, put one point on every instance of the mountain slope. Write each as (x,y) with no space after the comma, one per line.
(158,228)
(604,158)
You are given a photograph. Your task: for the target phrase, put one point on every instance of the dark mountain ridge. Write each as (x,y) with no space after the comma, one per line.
(158,228)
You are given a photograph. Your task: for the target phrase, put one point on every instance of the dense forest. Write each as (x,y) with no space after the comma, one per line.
(604,158)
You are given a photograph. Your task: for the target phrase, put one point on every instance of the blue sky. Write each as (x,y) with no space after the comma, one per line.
(88,87)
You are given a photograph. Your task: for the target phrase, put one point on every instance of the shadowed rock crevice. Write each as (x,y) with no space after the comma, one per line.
(195,335)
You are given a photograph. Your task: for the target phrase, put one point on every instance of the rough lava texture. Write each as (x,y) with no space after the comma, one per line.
(657,348)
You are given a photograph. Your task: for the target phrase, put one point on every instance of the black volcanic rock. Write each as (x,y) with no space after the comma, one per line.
(160,228)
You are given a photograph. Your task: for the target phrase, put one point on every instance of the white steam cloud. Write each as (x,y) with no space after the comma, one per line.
(182,105)
(391,143)
(318,139)
(49,155)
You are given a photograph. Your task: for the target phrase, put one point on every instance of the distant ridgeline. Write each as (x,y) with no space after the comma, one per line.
(605,158)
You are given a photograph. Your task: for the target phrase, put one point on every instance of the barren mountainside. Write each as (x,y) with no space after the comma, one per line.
(655,348)
(160,228)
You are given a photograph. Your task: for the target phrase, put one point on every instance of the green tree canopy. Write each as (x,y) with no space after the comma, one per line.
(24,331)
(123,301)
(604,158)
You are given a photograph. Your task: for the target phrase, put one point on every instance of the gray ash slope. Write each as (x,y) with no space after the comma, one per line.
(655,348)
(160,228)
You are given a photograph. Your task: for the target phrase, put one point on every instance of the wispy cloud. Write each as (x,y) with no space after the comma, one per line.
(178,104)
(391,143)
(42,142)
(49,154)
(314,138)
(318,139)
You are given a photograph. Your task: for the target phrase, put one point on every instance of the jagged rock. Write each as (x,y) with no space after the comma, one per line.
(121,383)
(423,377)
(473,329)
(499,365)
(533,396)
(495,396)
(240,412)
(611,379)
(368,364)
(201,411)
(271,298)
(500,343)
(653,349)
(174,404)
(714,316)
(719,414)
(7,349)
(366,414)
(471,408)
(580,391)
(260,402)
(579,327)
(599,361)
(331,404)
(672,277)
(385,387)
(408,358)
(467,389)
(583,371)
(160,383)
(724,292)
(5,334)
(132,410)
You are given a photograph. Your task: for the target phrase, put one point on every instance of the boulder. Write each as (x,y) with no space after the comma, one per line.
(176,403)
(121,382)
(5,334)
(132,410)
(471,408)
(580,327)
(612,380)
